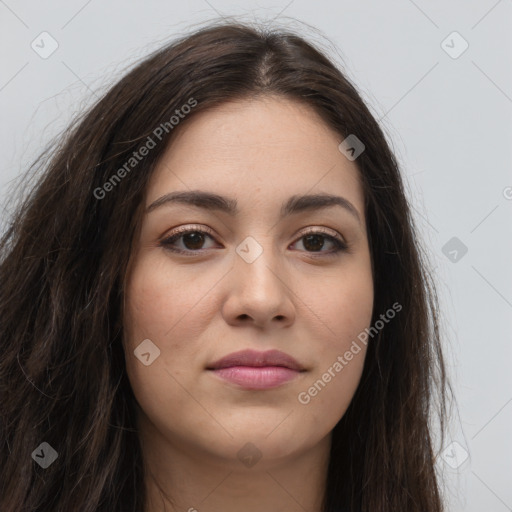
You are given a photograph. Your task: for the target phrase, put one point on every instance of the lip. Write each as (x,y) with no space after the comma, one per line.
(251,369)
(257,360)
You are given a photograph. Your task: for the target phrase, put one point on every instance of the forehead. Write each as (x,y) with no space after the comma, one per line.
(264,149)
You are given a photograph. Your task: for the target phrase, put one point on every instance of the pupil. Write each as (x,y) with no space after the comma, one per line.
(193,240)
(316,246)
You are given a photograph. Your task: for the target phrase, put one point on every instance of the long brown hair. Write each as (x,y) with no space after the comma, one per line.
(63,262)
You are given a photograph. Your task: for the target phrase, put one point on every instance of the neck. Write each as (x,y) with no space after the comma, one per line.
(187,479)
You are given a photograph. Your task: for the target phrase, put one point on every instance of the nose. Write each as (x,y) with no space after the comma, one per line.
(259,294)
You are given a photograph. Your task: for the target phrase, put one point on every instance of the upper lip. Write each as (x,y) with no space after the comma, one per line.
(257,359)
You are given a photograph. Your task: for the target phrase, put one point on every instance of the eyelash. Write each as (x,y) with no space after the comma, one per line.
(339,245)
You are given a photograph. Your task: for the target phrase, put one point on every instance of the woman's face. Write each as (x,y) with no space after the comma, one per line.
(250,276)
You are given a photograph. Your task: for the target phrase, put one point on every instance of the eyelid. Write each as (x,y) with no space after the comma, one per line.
(322,230)
(339,240)
(186,229)
(209,231)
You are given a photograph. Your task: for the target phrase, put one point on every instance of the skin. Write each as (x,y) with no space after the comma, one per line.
(200,307)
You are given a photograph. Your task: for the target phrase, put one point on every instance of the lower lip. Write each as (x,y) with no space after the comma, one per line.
(251,377)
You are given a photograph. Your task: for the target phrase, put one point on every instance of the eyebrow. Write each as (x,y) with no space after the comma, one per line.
(295,204)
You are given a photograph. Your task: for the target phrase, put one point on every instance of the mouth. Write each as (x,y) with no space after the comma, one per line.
(250,369)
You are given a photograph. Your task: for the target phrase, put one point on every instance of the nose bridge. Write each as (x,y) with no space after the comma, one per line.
(259,289)
(257,262)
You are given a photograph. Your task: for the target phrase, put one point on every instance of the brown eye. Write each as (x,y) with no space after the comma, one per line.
(192,240)
(316,241)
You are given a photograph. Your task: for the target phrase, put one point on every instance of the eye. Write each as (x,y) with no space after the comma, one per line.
(314,241)
(192,240)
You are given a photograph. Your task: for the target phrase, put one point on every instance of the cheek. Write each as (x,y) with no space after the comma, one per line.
(341,305)
(158,303)
(158,307)
(327,396)
(162,301)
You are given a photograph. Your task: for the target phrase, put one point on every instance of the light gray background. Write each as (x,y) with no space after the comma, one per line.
(449,121)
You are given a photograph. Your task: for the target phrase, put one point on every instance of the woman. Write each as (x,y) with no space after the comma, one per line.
(214,298)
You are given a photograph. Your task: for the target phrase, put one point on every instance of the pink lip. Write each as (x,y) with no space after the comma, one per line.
(257,370)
